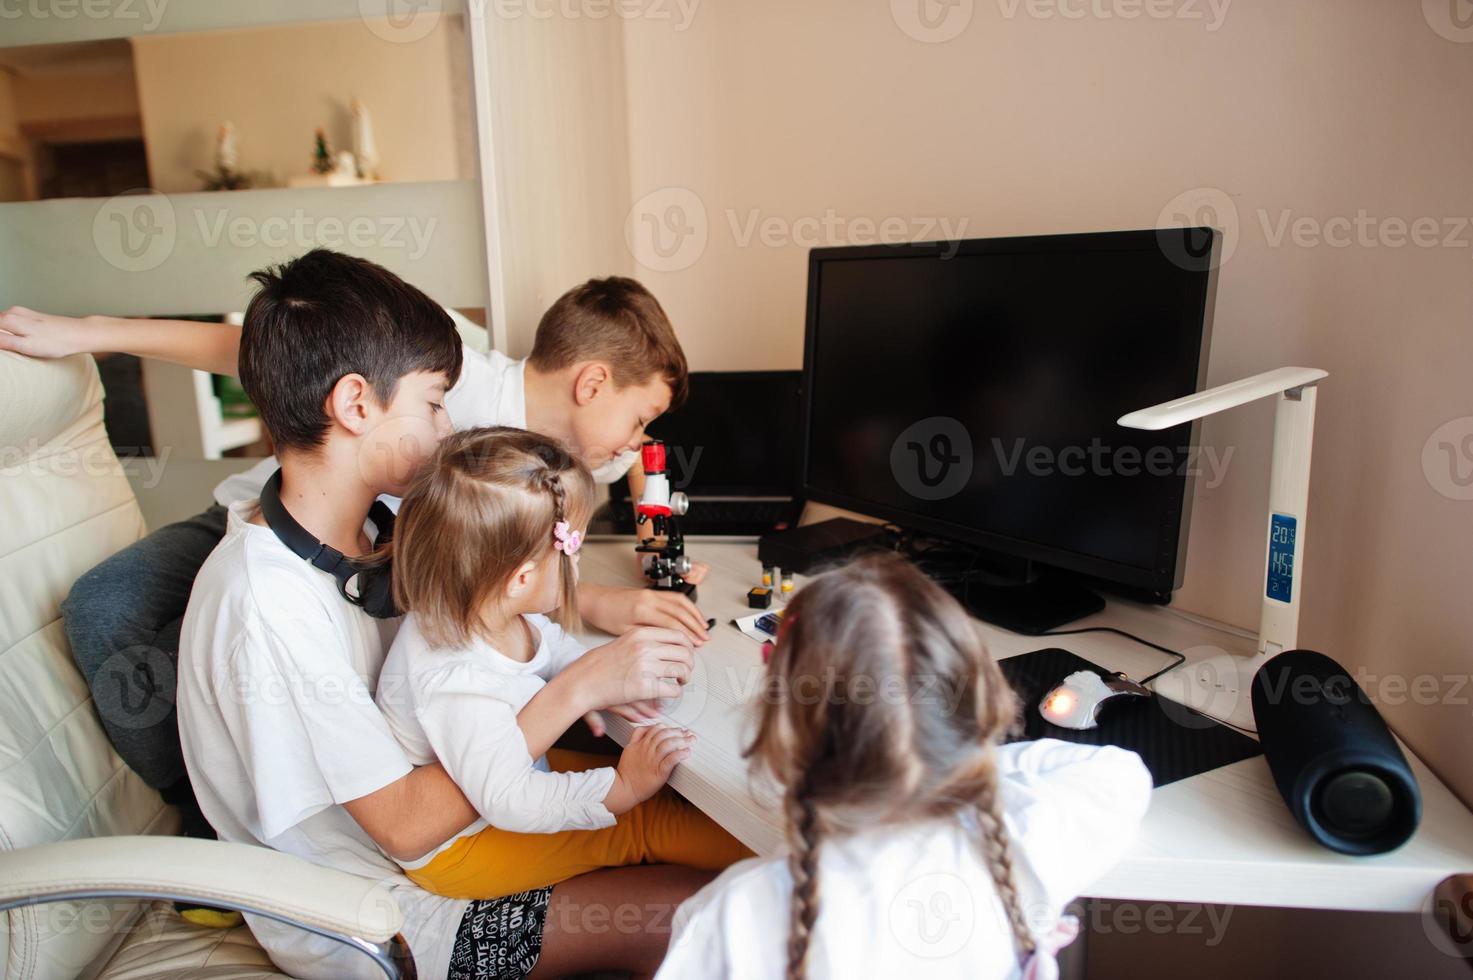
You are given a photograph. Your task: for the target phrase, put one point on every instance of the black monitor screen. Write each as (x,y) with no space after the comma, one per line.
(975,395)
(736,434)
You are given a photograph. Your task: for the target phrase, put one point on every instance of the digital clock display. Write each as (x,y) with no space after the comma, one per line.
(1282,532)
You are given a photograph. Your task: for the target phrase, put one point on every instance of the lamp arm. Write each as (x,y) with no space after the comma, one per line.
(1222,398)
(1294,391)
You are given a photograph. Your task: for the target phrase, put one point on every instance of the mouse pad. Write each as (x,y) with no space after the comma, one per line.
(1174,741)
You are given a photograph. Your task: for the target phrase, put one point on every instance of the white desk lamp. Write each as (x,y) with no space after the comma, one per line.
(1221,686)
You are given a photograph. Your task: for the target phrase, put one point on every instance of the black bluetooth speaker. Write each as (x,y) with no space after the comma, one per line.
(1333,758)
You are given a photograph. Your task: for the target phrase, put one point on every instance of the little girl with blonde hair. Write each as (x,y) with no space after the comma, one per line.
(917,844)
(486,546)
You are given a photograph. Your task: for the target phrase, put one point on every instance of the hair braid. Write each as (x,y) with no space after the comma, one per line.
(803,845)
(553,484)
(998,853)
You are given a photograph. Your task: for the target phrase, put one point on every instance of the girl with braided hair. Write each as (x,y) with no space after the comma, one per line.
(485,547)
(917,845)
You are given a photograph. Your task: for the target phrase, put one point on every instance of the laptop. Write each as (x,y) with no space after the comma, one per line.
(733,448)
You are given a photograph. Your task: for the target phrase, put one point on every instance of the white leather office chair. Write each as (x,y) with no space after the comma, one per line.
(88,864)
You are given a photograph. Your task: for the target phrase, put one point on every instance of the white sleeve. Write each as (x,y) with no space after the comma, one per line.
(304,723)
(726,930)
(697,946)
(1073,809)
(616,467)
(473,400)
(476,737)
(563,647)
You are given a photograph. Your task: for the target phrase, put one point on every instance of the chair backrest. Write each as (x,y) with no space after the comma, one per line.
(65,504)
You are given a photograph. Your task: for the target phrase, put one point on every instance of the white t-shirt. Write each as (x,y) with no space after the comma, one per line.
(460,706)
(918,901)
(491,390)
(279,728)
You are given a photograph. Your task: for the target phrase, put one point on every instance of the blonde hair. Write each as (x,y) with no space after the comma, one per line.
(482,506)
(851,759)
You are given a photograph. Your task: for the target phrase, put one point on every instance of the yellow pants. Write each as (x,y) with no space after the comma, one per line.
(664,829)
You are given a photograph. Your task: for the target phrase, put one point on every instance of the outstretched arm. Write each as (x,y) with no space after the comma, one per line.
(207,346)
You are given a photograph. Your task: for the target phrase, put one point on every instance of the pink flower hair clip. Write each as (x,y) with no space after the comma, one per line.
(566,540)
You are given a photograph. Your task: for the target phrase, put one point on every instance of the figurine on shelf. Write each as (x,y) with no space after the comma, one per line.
(365,149)
(225,176)
(322,162)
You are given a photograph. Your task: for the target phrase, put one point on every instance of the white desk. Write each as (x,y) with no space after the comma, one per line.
(1221,837)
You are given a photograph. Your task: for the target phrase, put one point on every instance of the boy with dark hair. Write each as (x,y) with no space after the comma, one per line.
(283,743)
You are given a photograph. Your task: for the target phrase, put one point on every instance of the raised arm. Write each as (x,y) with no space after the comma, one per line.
(206,346)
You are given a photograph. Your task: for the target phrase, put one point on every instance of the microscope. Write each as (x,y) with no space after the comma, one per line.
(665,564)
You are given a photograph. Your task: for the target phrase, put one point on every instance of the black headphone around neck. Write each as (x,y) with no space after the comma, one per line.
(375,594)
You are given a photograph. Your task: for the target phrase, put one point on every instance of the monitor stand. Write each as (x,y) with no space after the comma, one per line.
(1032,603)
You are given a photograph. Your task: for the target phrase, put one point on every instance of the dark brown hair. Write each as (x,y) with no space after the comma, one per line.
(615,320)
(325,315)
(851,761)
(484,504)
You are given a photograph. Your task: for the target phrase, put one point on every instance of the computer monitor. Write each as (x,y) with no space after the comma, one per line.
(736,435)
(970,390)
(733,448)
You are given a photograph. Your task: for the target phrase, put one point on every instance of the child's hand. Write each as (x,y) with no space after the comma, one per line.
(42,334)
(649,758)
(618,610)
(636,713)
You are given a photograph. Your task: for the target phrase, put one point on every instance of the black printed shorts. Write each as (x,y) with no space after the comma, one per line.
(500,938)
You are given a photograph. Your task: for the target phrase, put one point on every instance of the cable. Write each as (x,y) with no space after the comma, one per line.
(1211,624)
(1180,657)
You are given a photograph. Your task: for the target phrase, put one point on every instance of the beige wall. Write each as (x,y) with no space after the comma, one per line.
(49,99)
(561,159)
(279,84)
(1028,124)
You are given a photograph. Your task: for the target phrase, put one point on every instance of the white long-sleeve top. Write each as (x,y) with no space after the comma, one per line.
(918,901)
(460,705)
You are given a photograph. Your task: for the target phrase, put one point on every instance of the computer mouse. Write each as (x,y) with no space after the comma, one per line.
(1076,702)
